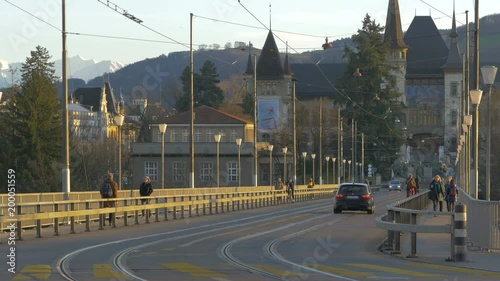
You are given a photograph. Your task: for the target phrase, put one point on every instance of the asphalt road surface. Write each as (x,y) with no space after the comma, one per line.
(300,241)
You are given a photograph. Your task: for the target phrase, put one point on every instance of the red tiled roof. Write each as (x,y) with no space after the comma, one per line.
(205,115)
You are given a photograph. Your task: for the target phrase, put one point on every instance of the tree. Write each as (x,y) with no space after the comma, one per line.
(33,121)
(372,99)
(206,88)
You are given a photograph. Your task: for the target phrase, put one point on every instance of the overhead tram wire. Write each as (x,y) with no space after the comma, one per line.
(38,18)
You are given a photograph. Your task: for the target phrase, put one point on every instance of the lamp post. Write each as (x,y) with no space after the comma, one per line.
(468,122)
(163,129)
(327,158)
(349,162)
(333,170)
(285,150)
(343,169)
(475,97)
(217,140)
(238,143)
(271,164)
(119,122)
(313,156)
(489,73)
(304,155)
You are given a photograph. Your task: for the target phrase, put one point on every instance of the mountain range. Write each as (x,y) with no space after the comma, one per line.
(78,67)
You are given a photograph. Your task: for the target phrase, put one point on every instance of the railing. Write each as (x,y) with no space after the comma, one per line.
(483,222)
(33,213)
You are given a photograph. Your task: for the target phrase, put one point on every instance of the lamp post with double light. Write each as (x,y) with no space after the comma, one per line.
(468,122)
(285,150)
(163,129)
(238,143)
(489,73)
(343,169)
(271,164)
(304,155)
(333,170)
(475,97)
(217,138)
(119,122)
(327,158)
(349,162)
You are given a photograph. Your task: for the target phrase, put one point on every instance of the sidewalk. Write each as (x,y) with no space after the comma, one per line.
(435,248)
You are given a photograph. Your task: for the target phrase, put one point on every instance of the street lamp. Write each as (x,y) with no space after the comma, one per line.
(217,140)
(327,158)
(468,122)
(489,73)
(271,164)
(304,155)
(285,150)
(238,143)
(163,129)
(349,162)
(119,122)
(333,170)
(343,169)
(475,97)
(313,156)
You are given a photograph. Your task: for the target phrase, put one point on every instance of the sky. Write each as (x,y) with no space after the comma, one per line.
(96,31)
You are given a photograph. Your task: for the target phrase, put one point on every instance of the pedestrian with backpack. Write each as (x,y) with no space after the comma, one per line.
(145,190)
(109,190)
(451,195)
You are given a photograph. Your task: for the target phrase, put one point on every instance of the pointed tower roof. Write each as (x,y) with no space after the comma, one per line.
(249,70)
(393,31)
(454,59)
(269,65)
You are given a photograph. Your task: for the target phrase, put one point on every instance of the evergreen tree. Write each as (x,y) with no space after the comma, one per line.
(33,119)
(206,88)
(372,99)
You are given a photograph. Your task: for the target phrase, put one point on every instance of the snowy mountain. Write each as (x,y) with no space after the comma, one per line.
(78,67)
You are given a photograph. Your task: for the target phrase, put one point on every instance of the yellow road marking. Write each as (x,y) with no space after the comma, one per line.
(393,270)
(42,276)
(457,269)
(106,271)
(284,273)
(340,271)
(21,277)
(193,270)
(39,268)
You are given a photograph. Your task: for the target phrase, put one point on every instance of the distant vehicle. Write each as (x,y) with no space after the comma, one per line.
(353,197)
(395,185)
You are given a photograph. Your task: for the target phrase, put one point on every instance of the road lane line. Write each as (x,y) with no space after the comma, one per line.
(457,269)
(341,271)
(192,270)
(393,270)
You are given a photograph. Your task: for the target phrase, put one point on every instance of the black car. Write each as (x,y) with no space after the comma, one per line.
(353,197)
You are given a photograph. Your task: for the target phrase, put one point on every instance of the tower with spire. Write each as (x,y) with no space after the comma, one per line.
(394,37)
(274,90)
(452,70)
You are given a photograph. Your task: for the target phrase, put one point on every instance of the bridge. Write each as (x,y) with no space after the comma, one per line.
(247,233)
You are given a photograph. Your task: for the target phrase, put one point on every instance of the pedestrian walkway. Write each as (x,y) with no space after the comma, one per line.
(436,248)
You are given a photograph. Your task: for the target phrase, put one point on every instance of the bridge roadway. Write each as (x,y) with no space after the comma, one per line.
(301,241)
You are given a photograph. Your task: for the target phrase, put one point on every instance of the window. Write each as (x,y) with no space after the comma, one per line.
(210,136)
(185,135)
(197,135)
(151,170)
(454,89)
(178,171)
(232,135)
(232,171)
(206,171)
(173,136)
(454,117)
(266,137)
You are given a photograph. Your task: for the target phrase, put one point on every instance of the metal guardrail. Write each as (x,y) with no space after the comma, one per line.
(52,213)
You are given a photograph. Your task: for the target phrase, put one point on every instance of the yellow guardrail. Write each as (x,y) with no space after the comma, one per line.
(33,212)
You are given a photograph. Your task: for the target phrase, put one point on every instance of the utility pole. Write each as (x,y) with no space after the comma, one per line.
(66,183)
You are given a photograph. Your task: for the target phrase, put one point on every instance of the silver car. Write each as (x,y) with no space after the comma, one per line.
(395,185)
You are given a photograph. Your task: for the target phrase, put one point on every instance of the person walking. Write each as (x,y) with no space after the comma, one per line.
(145,190)
(109,190)
(310,185)
(411,186)
(436,193)
(290,189)
(451,195)
(279,187)
(418,181)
